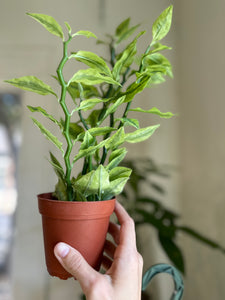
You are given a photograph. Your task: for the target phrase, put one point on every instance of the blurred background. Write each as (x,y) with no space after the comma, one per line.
(192,143)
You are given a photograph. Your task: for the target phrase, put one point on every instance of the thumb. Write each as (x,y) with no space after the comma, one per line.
(75,264)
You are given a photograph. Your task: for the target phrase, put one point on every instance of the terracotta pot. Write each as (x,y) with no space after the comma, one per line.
(83,225)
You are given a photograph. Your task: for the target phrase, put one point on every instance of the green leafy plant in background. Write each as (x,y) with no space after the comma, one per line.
(101,94)
(147,209)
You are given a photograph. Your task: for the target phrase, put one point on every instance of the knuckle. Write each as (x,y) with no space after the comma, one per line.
(74,262)
(140,259)
(130,222)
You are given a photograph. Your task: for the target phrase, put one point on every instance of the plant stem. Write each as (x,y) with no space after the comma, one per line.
(67,120)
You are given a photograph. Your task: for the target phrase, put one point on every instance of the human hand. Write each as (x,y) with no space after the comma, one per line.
(123,264)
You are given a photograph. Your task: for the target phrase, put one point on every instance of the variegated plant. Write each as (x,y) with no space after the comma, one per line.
(95,125)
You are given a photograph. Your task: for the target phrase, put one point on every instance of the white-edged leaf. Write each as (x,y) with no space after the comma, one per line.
(119,172)
(90,151)
(57,167)
(88,104)
(155,111)
(82,183)
(49,23)
(32,84)
(44,113)
(115,140)
(88,141)
(86,33)
(126,34)
(126,58)
(162,24)
(91,77)
(48,135)
(115,188)
(111,109)
(116,157)
(92,60)
(140,134)
(68,27)
(93,183)
(129,122)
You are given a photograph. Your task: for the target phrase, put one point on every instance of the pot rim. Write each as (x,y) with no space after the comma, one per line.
(74,210)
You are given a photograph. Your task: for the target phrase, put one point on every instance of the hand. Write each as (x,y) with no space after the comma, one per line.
(123,264)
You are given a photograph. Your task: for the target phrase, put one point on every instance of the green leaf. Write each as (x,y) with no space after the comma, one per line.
(48,135)
(119,172)
(88,91)
(173,252)
(159,47)
(57,167)
(100,180)
(111,109)
(115,188)
(60,191)
(126,59)
(122,27)
(86,33)
(156,62)
(193,233)
(94,182)
(115,158)
(32,84)
(129,122)
(136,87)
(88,104)
(162,24)
(88,141)
(74,129)
(155,111)
(115,140)
(82,183)
(92,119)
(68,27)
(96,131)
(91,77)
(125,32)
(49,23)
(140,134)
(44,113)
(92,60)
(90,151)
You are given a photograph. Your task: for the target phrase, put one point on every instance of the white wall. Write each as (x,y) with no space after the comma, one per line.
(201,42)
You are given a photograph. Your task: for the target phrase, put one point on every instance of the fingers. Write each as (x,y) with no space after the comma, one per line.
(110,249)
(114,231)
(127,230)
(75,264)
(106,263)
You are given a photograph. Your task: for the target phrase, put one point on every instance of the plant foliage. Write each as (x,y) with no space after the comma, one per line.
(102,92)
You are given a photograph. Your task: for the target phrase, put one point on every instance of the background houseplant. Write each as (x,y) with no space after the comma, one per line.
(97,95)
(149,208)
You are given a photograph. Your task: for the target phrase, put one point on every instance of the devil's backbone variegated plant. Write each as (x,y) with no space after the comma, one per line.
(102,93)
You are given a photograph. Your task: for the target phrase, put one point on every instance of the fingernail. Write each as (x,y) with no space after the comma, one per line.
(62,250)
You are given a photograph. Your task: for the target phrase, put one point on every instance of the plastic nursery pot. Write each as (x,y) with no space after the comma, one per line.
(83,225)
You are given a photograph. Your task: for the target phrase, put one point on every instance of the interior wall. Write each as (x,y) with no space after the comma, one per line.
(200,37)
(27,49)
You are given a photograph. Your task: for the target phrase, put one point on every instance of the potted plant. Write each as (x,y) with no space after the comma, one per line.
(94,129)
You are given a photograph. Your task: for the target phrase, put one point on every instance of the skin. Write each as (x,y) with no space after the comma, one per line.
(122,262)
